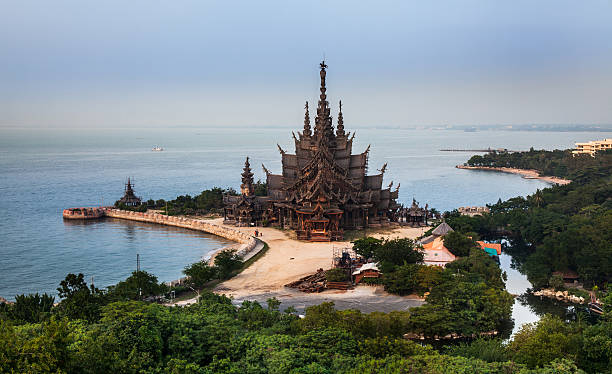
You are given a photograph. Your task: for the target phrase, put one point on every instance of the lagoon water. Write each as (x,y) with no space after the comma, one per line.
(43,171)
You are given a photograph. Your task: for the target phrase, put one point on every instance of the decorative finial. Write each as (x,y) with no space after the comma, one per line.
(265,169)
(390,185)
(324,128)
(282,151)
(383,169)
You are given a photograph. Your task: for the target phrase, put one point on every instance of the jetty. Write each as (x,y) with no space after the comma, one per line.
(249,246)
(488,150)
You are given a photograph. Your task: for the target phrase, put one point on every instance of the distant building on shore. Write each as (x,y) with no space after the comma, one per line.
(324,187)
(592,147)
(473,210)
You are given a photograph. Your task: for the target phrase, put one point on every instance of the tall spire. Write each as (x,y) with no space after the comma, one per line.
(246,188)
(340,127)
(324,130)
(307,131)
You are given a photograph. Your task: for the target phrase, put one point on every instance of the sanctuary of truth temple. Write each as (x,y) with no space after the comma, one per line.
(324,188)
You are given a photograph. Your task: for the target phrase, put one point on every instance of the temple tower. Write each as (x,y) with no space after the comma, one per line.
(246,188)
(340,127)
(307,131)
(324,129)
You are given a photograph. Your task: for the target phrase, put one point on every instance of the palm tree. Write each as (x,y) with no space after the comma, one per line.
(537,198)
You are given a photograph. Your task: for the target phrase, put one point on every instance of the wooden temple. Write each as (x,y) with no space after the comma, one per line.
(323,189)
(414,215)
(129,197)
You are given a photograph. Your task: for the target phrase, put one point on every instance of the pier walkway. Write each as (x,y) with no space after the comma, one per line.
(249,246)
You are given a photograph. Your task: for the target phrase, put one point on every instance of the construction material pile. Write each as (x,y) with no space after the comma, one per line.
(311,283)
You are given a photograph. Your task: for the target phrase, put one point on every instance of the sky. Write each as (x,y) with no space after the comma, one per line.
(110,64)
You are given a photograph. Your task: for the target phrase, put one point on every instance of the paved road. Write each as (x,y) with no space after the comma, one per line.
(363,298)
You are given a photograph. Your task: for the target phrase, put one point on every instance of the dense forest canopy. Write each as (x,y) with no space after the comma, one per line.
(215,336)
(559,228)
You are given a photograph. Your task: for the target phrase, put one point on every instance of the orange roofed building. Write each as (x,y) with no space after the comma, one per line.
(436,254)
(490,246)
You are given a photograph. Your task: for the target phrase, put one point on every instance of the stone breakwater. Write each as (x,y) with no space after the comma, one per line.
(248,243)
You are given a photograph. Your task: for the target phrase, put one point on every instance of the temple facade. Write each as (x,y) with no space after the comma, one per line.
(324,188)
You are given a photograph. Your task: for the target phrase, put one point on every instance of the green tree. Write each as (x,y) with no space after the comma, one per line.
(397,252)
(337,275)
(79,301)
(137,286)
(460,245)
(403,280)
(226,262)
(28,308)
(538,344)
(556,282)
(261,188)
(200,273)
(367,247)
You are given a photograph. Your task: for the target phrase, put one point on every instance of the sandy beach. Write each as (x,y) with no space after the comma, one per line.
(526,173)
(287,260)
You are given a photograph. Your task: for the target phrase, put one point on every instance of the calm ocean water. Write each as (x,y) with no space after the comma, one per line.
(45,171)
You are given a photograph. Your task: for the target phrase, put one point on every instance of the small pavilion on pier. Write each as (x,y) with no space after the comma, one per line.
(129,197)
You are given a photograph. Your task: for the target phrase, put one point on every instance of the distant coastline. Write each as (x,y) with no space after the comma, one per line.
(525,173)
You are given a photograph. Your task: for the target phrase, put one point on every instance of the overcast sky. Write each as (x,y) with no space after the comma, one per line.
(233,63)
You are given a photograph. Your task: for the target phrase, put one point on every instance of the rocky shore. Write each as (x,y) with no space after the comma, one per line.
(560,295)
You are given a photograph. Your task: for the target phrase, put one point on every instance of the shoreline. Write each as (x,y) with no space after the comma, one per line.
(525,173)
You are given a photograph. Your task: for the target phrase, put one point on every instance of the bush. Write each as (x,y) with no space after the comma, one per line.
(489,350)
(337,275)
(397,252)
(412,278)
(459,244)
(556,282)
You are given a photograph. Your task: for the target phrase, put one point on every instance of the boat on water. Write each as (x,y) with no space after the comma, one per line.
(83,213)
(157,149)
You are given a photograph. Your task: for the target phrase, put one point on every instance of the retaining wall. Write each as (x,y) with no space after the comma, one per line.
(248,242)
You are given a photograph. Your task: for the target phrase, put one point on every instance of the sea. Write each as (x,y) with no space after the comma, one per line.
(44,170)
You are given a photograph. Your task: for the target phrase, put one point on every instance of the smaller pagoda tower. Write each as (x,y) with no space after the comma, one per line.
(247,187)
(307,131)
(340,127)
